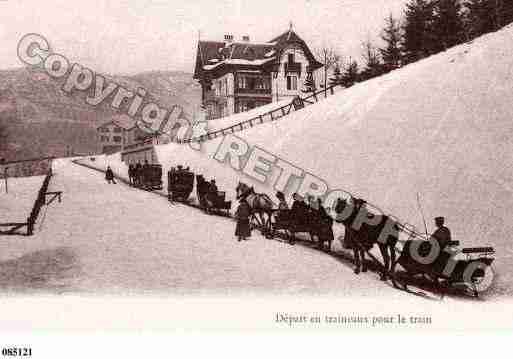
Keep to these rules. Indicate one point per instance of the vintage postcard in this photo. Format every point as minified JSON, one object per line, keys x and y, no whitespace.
{"x":285,"y":165}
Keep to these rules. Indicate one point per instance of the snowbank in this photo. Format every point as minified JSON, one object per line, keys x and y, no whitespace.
{"x":440,"y":127}
{"x":225,"y":122}
{"x":16,"y":205}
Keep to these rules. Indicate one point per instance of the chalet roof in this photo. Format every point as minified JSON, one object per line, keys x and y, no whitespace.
{"x":212,"y":54}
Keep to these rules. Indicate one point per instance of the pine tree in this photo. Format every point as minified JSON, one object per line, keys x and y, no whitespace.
{"x":309,"y":85}
{"x":351,"y":74}
{"x":391,"y":35}
{"x":506,"y":12}
{"x":373,"y":65}
{"x":337,"y":76}
{"x":418,"y":41}
{"x":448,"y":24}
{"x":484,"y":16}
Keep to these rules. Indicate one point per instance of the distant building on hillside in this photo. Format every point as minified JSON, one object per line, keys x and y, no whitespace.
{"x":236,"y":76}
{"x":138,"y":145}
{"x":110,"y":136}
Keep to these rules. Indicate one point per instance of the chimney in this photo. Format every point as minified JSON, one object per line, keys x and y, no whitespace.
{"x":228,"y":38}
{"x":245,"y":38}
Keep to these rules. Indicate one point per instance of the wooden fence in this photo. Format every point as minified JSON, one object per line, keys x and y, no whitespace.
{"x":296,"y":104}
{"x":14,"y":227}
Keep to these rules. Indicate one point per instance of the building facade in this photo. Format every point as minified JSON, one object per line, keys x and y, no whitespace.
{"x":138,"y":145}
{"x":110,"y":137}
{"x":238,"y":76}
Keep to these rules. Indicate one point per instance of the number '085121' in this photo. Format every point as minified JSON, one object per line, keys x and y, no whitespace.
{"x":16,"y":352}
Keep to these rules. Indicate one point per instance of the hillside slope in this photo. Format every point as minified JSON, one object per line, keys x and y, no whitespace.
{"x":42,"y":119}
{"x":440,"y":127}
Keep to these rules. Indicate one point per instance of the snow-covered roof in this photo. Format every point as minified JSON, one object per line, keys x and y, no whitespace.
{"x":238,"y":62}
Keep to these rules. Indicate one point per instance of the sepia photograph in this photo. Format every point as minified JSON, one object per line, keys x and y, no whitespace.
{"x":285,"y":165}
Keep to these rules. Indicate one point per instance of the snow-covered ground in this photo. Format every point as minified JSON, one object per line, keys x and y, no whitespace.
{"x":103,"y":239}
{"x":15,"y":206}
{"x":440,"y":127}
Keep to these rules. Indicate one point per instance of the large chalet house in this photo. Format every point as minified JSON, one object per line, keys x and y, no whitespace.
{"x":236,"y":76}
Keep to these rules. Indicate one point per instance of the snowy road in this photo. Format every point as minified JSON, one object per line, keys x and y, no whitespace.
{"x":113,"y":239}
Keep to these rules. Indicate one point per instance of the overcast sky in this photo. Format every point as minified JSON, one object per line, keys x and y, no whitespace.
{"x":133,"y":36}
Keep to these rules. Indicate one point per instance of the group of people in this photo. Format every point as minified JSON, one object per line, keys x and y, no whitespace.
{"x":310,"y":214}
{"x":137,"y":172}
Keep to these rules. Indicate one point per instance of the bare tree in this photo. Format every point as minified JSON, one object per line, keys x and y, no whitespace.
{"x":329,"y":57}
{"x":372,"y":60}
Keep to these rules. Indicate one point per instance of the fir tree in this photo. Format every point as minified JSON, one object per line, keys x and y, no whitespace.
{"x":351,"y":74}
{"x":484,"y":16}
{"x":337,"y":76}
{"x":373,"y":65}
{"x":447,"y":24}
{"x":391,"y":35}
{"x":418,"y":41}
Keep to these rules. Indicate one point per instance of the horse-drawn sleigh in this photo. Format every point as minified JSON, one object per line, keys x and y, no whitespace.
{"x":147,"y":177}
{"x":286,"y":223}
{"x":180,"y":183}
{"x":443,"y":268}
{"x":210,"y":199}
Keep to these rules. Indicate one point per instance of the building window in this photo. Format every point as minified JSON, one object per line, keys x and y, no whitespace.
{"x":104,"y":138}
{"x":291,"y":58}
{"x":117,"y":129}
{"x":291,"y":82}
{"x":104,"y":129}
{"x":117,"y":138}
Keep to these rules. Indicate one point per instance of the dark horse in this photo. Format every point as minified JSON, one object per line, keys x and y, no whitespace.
{"x":261,"y":206}
{"x":363,"y":230}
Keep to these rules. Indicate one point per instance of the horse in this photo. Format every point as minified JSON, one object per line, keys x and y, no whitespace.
{"x":362,"y":240}
{"x":260,"y":205}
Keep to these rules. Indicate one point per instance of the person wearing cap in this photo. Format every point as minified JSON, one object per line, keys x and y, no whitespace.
{"x":442,"y":234}
{"x":213,"y":186}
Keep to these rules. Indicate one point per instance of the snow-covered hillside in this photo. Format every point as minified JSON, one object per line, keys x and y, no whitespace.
{"x":441,"y":127}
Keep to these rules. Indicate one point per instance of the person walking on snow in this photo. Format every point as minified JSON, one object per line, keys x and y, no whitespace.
{"x":242,"y":230}
{"x":109,"y":175}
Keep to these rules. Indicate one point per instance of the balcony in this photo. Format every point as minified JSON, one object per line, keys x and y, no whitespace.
{"x":253,"y":91}
{"x":293,"y":67}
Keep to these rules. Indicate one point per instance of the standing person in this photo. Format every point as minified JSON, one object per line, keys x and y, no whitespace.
{"x":442,"y":234}
{"x":242,"y":230}
{"x":138,"y":174}
{"x":131,"y":174}
{"x":282,"y":205}
{"x":109,"y":175}
{"x":213,"y":186}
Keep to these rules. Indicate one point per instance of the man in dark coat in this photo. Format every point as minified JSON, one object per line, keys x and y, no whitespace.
{"x":442,"y":234}
{"x":138,"y":174}
{"x":243,"y":212}
{"x":109,"y":175}
{"x":213,"y":186}
{"x":131,"y":174}
{"x":299,"y":209}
